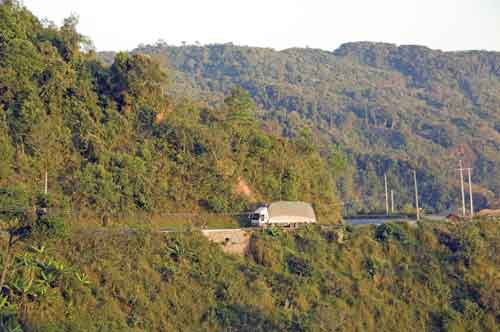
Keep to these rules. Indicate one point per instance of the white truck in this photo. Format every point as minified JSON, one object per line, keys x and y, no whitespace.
{"x":283,"y":214}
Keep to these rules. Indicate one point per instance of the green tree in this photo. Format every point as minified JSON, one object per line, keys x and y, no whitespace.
{"x":6,"y":153}
{"x":15,"y":221}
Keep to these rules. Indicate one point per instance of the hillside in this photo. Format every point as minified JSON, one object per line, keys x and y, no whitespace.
{"x":93,"y":154}
{"x":107,"y":141}
{"x":391,"y":108}
{"x":388,"y":278}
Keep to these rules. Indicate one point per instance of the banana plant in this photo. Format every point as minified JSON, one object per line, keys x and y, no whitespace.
{"x":82,"y":278}
{"x":22,"y":285}
{"x":3,"y":302}
{"x":178,"y":251}
{"x":40,"y":250}
{"x":6,"y":308}
{"x":41,"y":287}
{"x":48,"y":277}
{"x":24,"y":260}
{"x":56,"y":266}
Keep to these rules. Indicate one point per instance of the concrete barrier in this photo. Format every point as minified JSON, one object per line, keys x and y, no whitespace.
{"x":233,"y":241}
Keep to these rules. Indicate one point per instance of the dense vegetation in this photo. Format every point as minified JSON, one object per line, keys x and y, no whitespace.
{"x":385,"y":278}
{"x":109,"y":141}
{"x":390,"y":108}
{"x":112,"y":141}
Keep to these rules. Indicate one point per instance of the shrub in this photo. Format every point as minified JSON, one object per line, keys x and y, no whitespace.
{"x":388,"y":231}
{"x":371,"y":266}
{"x":299,"y":266}
{"x":236,"y":317}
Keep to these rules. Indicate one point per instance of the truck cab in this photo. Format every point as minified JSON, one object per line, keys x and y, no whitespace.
{"x":260,"y":216}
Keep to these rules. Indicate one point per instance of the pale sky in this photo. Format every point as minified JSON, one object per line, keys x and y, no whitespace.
{"x":439,"y":24}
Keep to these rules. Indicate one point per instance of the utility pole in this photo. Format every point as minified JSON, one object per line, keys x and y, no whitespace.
{"x":281,"y":181}
{"x":461,"y":169}
{"x":282,"y":170}
{"x":46,"y":183}
{"x":46,"y":176}
{"x":392,"y":201}
{"x":470,"y":194}
{"x":284,"y":125}
{"x":386,"y":196}
{"x":416,"y":194}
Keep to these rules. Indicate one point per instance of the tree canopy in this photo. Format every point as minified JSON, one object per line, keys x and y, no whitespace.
{"x":391,"y":108}
{"x":110,"y":140}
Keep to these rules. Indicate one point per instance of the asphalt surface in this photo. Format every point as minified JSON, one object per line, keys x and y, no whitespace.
{"x":352,"y":221}
{"x":369,"y":221}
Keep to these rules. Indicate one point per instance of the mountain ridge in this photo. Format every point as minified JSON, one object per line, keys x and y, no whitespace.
{"x":333,"y":50}
{"x":379,"y":101}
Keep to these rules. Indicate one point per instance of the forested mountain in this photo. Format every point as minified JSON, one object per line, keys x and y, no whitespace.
{"x":391,"y":108}
{"x":109,"y":141}
{"x":113,"y":140}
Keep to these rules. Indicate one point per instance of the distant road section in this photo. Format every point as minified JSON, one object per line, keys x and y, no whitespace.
{"x":381,"y":219}
{"x":378,"y":219}
{"x":373,"y":221}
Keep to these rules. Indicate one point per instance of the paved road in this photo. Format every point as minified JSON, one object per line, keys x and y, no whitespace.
{"x":381,"y":220}
{"x":369,"y":221}
{"x":353,"y":222}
